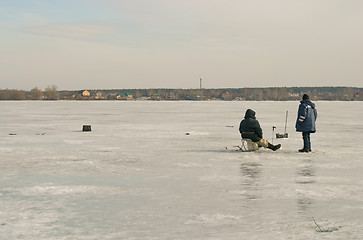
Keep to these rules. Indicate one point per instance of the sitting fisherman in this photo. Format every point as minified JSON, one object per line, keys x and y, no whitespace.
{"x":250,"y":129}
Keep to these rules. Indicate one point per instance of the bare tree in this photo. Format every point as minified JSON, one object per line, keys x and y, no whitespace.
{"x":36,"y":94}
{"x":51,"y":93}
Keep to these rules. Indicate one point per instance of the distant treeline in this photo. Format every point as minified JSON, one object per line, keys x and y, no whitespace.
{"x":226,"y":94}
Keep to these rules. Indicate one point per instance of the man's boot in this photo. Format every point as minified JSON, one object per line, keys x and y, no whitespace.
{"x":273,"y":147}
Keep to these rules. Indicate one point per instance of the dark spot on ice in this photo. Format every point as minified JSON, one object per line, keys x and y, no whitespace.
{"x":307,"y":171}
{"x":305,"y":201}
{"x":329,"y":229}
{"x":305,"y":181}
{"x":251,"y":170}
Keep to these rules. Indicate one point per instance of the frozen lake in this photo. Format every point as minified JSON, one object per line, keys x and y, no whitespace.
{"x":138,"y":175}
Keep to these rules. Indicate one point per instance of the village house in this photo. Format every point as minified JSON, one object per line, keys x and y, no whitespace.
{"x":85,"y":93}
{"x":112,"y":95}
{"x":100,"y":95}
{"x":293,"y":95}
{"x":226,"y":96}
{"x":125,"y":96}
{"x":129,"y":96}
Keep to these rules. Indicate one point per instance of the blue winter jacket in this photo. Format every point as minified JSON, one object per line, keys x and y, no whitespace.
{"x":306,"y":118}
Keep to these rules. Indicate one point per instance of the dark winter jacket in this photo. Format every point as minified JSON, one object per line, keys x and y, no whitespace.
{"x":250,"y":127}
{"x":306,"y":118}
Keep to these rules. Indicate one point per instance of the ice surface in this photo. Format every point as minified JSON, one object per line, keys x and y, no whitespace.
{"x":169,"y":170}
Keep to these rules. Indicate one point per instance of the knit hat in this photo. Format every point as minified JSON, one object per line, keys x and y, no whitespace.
{"x":305,"y":97}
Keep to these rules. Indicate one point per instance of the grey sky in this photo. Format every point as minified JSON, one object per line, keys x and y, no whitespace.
{"x":94,"y":44}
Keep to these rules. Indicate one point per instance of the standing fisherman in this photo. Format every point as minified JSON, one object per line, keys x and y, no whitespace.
{"x":305,"y":122}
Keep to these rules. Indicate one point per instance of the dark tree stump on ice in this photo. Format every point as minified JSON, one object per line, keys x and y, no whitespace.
{"x":86,"y":128}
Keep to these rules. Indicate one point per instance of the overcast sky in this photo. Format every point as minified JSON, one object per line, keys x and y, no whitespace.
{"x":103,"y":44}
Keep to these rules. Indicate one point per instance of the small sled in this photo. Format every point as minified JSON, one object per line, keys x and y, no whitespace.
{"x":283,"y":135}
